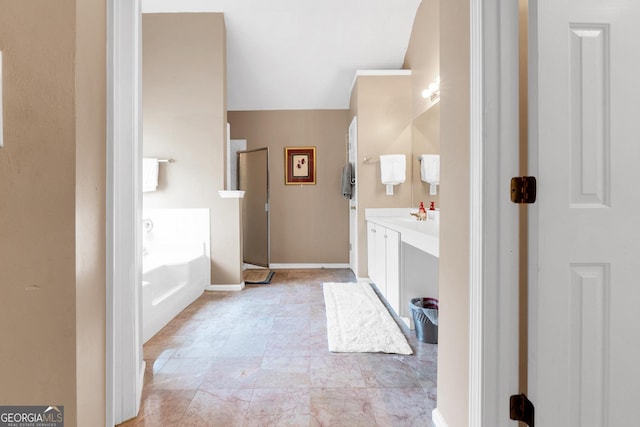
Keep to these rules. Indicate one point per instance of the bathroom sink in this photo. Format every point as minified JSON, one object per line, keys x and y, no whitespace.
{"x":408,"y":219}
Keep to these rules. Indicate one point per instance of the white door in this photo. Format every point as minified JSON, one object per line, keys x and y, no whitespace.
{"x":353,"y":202}
{"x":585,"y":306}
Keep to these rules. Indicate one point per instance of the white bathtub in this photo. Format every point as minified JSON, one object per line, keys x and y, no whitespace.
{"x":170,"y":282}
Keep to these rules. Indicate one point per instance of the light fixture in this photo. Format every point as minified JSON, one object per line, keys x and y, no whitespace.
{"x":433,"y":91}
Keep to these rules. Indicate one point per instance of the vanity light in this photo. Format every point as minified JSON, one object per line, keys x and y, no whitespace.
{"x":433,"y":91}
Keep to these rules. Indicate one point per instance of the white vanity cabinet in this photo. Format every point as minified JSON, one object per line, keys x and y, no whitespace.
{"x":383,"y":245}
{"x":403,"y":256}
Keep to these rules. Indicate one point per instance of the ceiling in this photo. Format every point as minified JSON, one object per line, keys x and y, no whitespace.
{"x":303,"y":54}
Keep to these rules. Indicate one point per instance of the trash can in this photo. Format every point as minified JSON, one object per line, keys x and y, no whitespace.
{"x":425,"y":318}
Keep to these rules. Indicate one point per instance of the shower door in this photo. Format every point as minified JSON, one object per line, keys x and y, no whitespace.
{"x":253,"y":179}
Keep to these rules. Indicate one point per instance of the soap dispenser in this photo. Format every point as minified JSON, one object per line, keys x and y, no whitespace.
{"x":422,"y":213}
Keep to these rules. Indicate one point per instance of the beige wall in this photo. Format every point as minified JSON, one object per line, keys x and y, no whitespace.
{"x":423,"y":54}
{"x":90,"y":210}
{"x":423,"y":59}
{"x":52,"y":290}
{"x":184,"y":118}
{"x":453,"y":345}
{"x":383,"y":107}
{"x":440,"y":46}
{"x":309,"y":223}
{"x":230,"y":214}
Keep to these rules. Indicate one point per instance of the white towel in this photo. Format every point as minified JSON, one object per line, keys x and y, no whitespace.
{"x":430,"y":171}
{"x":430,"y":168}
{"x":393,"y":169}
{"x":149,"y":174}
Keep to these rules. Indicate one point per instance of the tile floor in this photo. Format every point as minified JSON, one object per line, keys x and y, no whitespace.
{"x":259,"y":358}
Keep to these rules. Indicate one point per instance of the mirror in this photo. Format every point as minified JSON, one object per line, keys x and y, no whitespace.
{"x":425,"y":140}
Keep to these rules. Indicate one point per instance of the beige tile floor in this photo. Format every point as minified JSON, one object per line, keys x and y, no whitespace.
{"x":259,"y":358}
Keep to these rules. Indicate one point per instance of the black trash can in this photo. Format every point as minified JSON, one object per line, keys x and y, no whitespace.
{"x":425,"y":318}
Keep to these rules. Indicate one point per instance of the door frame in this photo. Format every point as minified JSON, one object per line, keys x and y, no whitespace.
{"x":492,"y":316}
{"x":124,"y":360}
{"x":352,"y":157}
{"x":493,"y":311}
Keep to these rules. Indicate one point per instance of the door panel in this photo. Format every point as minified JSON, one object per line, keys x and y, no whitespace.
{"x":380,"y":267}
{"x":392,"y":260}
{"x":586,"y":343}
{"x":371,"y":251}
{"x":253,"y":178}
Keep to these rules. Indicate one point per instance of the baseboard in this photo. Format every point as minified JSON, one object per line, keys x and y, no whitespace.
{"x":141,"y":371}
{"x":286,"y":266}
{"x":238,"y":287}
{"x":363,"y":279}
{"x":407,"y":321}
{"x":253,"y":267}
{"x":438,"y":419}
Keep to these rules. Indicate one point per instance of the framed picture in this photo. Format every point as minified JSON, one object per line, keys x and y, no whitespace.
{"x":300,"y":165}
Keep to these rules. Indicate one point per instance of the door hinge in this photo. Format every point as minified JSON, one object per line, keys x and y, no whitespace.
{"x":523,"y":189}
{"x":521,"y":409}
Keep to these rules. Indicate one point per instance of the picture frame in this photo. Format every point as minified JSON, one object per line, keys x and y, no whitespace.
{"x":299,"y":165}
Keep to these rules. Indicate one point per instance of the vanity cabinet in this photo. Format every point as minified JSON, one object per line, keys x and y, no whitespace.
{"x":403,"y":256}
{"x":383,"y":245}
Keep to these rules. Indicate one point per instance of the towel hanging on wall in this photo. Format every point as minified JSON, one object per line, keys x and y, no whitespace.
{"x":347,"y":181}
{"x":430,"y":171}
{"x":393,"y":169}
{"x":149,"y":174}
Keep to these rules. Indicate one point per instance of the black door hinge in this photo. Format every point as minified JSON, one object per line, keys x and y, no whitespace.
{"x":521,"y":409}
{"x":523,"y":189}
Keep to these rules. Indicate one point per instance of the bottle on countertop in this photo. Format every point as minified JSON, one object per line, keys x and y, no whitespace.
{"x":432,"y":211}
{"x":422,"y":213}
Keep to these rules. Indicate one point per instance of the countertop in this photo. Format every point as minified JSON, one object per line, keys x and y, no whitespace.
{"x":424,"y":235}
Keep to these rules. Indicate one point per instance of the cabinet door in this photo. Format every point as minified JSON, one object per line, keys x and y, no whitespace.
{"x":371,"y":251}
{"x":392,"y":292}
{"x":380,"y":260}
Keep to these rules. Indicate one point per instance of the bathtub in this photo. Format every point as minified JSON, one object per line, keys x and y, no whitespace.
{"x":170,"y":282}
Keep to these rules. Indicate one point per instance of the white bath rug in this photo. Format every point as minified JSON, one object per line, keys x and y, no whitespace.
{"x":358,"y":322}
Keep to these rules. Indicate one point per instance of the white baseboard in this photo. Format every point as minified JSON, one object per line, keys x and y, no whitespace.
{"x":142,"y":369}
{"x":364,"y":279}
{"x":253,"y":267}
{"x":438,"y":419}
{"x":238,"y":287}
{"x":407,"y":321}
{"x":305,"y":265}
